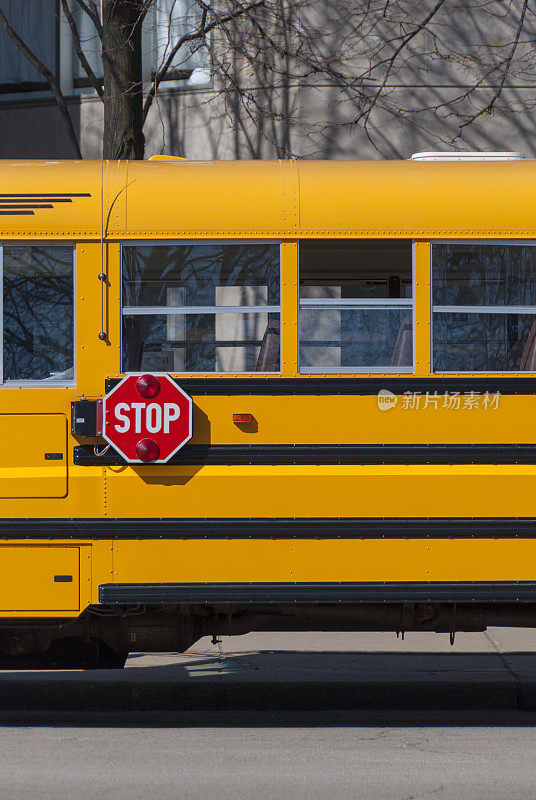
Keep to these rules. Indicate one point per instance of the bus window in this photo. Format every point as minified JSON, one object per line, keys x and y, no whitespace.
{"x":484,"y":307}
{"x":38,"y":313}
{"x":201,"y":307}
{"x":356,"y":306}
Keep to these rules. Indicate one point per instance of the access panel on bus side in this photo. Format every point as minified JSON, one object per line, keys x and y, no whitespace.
{"x":33,"y":458}
{"x":39,"y":578}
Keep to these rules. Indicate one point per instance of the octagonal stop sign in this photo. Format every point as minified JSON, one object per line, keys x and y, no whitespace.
{"x":147,"y":418}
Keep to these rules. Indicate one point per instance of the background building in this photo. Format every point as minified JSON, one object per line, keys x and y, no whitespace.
{"x":343,"y":79}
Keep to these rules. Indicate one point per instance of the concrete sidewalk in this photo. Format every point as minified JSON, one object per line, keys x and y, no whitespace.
{"x":495,"y":670}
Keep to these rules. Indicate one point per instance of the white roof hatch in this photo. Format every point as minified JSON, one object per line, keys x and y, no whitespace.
{"x":466,"y":156}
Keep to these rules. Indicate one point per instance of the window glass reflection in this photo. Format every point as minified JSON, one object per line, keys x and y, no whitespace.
{"x":356,"y":309}
{"x":245,"y":342}
{"x":201,"y":275}
{"x":331,"y":338}
{"x":178,"y":303}
{"x":500,"y":279}
{"x":484,"y":275}
{"x":484,"y":342}
{"x":38,"y":313}
{"x":342,"y":269}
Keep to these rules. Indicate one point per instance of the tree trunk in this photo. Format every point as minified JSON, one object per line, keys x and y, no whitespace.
{"x":123,"y":97}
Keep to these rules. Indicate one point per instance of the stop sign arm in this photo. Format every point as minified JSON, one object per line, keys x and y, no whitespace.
{"x":146,"y":418}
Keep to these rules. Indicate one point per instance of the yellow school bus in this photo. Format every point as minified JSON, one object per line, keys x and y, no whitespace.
{"x":359,"y":341}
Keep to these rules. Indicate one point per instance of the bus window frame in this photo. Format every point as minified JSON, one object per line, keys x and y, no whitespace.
{"x":34,"y":384}
{"x":363,"y":370}
{"x":176,"y":242}
{"x":519,"y":373}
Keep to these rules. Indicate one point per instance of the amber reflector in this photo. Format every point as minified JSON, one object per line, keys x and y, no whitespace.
{"x":242,"y":417}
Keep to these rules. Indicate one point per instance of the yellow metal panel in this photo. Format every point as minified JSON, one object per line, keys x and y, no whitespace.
{"x":289,"y":304}
{"x":307,"y":419}
{"x":100,"y":554}
{"x":324,"y":560}
{"x":322,"y":491}
{"x":417,"y":199}
{"x":115,"y":183}
{"x":97,"y":359}
{"x":24,"y":470}
{"x":85,"y":498}
{"x":27,"y":578}
{"x":163,"y":199}
{"x":423,"y":313}
{"x":206,"y":198}
{"x":348,"y":198}
{"x":22,"y":457}
{"x":56,"y":184}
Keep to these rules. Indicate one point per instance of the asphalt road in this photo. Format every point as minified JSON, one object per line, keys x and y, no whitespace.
{"x":357,"y":716}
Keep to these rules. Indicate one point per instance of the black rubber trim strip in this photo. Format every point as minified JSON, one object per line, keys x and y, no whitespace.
{"x":347,"y":592}
{"x":355,"y":386}
{"x":5,"y":195}
{"x":195,"y":454}
{"x":272,"y":528}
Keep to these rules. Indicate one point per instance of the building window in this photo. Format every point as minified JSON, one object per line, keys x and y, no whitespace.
{"x":90,"y":43}
{"x":484,"y":307}
{"x":165,"y":23}
{"x":201,"y":307}
{"x":173,"y":19}
{"x":356,"y":306}
{"x":43,"y":26}
{"x":38,"y":313}
{"x":36,"y":22}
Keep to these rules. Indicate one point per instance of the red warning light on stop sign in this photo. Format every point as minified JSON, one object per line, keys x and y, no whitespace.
{"x":147,"y":418}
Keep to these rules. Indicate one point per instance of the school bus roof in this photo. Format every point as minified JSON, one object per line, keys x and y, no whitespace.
{"x":266,"y":199}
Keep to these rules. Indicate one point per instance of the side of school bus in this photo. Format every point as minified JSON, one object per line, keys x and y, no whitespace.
{"x":359,"y":340}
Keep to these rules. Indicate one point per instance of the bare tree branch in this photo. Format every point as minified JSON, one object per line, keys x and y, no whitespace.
{"x":506,"y":71}
{"x":48,"y":76}
{"x":420,"y":27}
{"x":190,"y":37}
{"x":433,"y":68}
{"x":97,"y":85}
{"x":90,"y":8}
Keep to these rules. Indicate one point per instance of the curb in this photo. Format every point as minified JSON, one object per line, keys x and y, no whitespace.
{"x":106,"y":695}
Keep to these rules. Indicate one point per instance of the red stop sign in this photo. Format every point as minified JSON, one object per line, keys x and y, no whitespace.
{"x":147,"y":418}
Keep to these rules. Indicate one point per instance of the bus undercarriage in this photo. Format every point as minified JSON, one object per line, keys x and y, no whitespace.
{"x":102,"y":637}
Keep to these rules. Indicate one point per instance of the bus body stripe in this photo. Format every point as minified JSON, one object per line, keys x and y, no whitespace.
{"x":333,"y":385}
{"x":272,"y":528}
{"x":332,"y":592}
{"x":358,"y":454}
